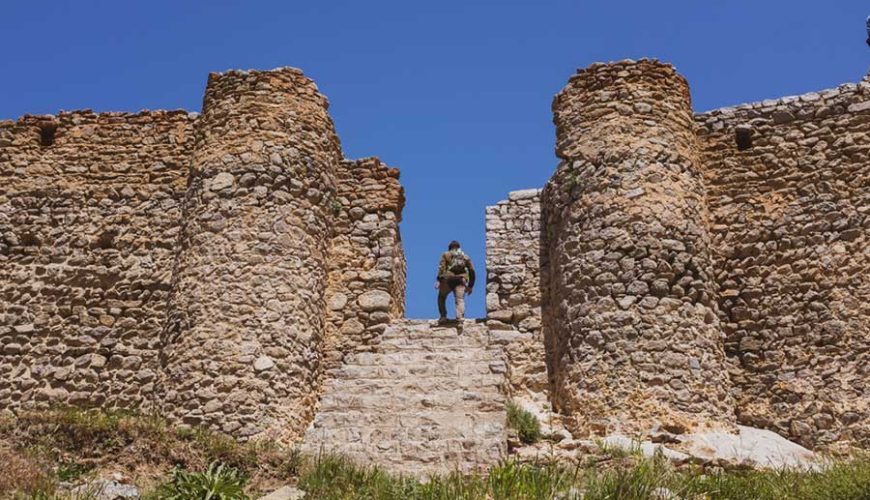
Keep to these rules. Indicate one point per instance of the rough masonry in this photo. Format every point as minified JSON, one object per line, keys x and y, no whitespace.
{"x":679,"y":271}
{"x":203,"y":266}
{"x":696,"y":269}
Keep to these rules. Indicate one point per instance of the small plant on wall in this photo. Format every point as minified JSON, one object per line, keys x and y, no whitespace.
{"x":524,"y":422}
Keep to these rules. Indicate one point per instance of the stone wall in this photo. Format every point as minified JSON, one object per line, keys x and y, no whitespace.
{"x":784,"y":255}
{"x":247,"y":320}
{"x":513,"y":289}
{"x":367,"y":266}
{"x":167,"y":262}
{"x":678,"y":269}
{"x":630,"y":313}
{"x":88,"y":224}
{"x":513,"y":248}
{"x":790,"y":218}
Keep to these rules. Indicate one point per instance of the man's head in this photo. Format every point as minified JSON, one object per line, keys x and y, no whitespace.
{"x":454,"y":245}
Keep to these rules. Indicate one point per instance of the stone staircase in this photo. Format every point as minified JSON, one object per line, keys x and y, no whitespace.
{"x":429,"y":400}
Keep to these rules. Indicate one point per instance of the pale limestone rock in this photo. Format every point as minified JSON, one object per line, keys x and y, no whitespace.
{"x":337,"y":302}
{"x":264,"y":363}
{"x":375,"y":300}
{"x":750,"y":446}
{"x":222,"y":180}
{"x":285,"y":493}
{"x":524,"y":194}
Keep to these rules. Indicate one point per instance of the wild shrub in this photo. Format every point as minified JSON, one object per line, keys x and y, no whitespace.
{"x":524,"y":422}
{"x":218,"y":482}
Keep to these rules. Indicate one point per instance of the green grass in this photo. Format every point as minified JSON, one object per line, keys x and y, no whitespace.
{"x":72,"y":470}
{"x":524,"y":422}
{"x":218,"y":482}
{"x":39,"y":450}
{"x":634,"y":478}
{"x":65,"y":444}
{"x":616,"y":451}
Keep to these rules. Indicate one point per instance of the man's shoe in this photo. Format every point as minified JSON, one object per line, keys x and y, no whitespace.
{"x":443,"y":320}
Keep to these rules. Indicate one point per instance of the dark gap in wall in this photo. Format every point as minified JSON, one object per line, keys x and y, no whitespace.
{"x":743,"y":136}
{"x":46,"y":134}
{"x":29,"y":240}
{"x":106,"y":240}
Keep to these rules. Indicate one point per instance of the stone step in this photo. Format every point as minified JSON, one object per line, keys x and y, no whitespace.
{"x":471,"y":330}
{"x":470,"y":368}
{"x":444,"y":418}
{"x":439,"y":341}
{"x":428,"y":399}
{"x":424,"y":446}
{"x":429,"y":346}
{"x":402,"y":401}
{"x":419,"y":358}
{"x":426,"y":385}
{"x":433,"y":455}
{"x":331,"y":430}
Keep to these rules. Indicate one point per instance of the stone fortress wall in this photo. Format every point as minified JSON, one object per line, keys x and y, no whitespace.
{"x":790,"y":220}
{"x":367,"y":268}
{"x":678,"y":270}
{"x":88,"y":230}
{"x":204,"y":266}
{"x":694,"y":280}
{"x":513,"y":291}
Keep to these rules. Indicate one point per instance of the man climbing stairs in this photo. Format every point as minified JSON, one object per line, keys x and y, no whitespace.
{"x":429,"y":400}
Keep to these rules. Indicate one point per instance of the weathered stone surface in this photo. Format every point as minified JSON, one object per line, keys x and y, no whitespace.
{"x":428,"y":401}
{"x":789,"y":235}
{"x":646,"y":448}
{"x":768,"y":253}
{"x":749,"y":447}
{"x":513,"y":286}
{"x":87,"y":241}
{"x":107,"y":489}
{"x":665,"y":276}
{"x":375,"y":300}
{"x":221,"y":181}
{"x":285,"y":493}
{"x":625,"y":220}
{"x":366,"y":255}
{"x":260,"y":276}
{"x":102,"y":278}
{"x":263,"y":363}
{"x":746,"y":447}
{"x":337,"y":302}
{"x":525,"y":194}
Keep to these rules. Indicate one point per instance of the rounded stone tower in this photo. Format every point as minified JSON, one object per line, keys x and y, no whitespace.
{"x":632,"y":333}
{"x":242,"y":342}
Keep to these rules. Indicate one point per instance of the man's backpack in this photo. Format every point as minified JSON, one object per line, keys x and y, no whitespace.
{"x":456,"y":262}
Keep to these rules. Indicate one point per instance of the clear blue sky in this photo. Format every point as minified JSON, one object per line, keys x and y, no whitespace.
{"x":455,"y":93}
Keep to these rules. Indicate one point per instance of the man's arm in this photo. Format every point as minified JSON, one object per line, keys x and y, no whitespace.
{"x":442,"y":266}
{"x":471,"y":275}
